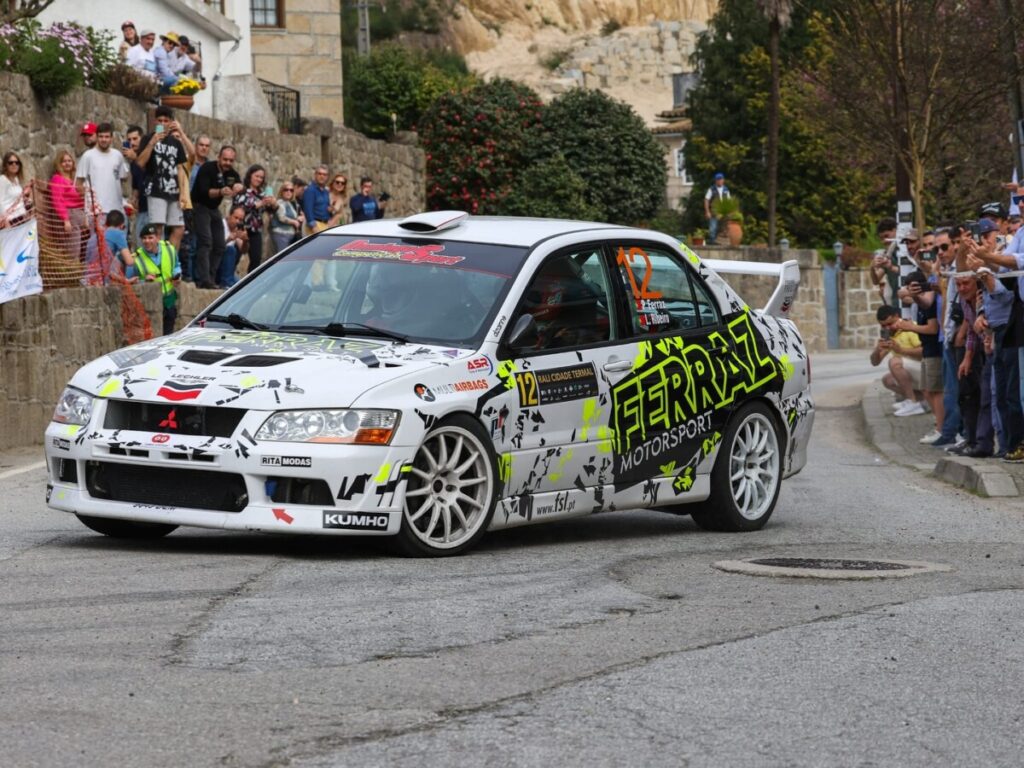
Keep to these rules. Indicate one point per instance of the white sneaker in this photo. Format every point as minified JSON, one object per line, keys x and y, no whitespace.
{"x":957,"y":444}
{"x":931,"y":437}
{"x":913,"y":409}
{"x":900,"y":404}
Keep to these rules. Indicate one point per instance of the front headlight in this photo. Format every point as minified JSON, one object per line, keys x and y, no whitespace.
{"x":73,"y":407}
{"x":361,"y":427}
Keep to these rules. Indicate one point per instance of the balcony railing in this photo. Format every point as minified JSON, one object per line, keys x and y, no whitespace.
{"x":284,"y":102}
{"x":218,"y":4}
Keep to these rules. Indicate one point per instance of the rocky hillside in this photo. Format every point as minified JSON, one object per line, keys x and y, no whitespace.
{"x":628,"y":48}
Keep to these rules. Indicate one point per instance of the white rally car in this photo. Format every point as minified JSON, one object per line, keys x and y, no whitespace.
{"x":437,"y":377}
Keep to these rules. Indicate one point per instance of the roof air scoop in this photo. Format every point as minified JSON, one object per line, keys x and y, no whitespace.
{"x":434,"y":221}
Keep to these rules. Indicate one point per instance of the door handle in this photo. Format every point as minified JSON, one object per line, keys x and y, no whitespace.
{"x":618,"y":365}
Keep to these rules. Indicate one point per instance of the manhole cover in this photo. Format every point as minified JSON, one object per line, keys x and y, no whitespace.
{"x":828,"y":568}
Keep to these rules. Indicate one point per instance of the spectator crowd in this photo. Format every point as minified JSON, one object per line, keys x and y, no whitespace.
{"x":951,"y":330}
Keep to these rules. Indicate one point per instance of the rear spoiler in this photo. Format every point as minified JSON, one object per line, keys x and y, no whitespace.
{"x":788,"y":273}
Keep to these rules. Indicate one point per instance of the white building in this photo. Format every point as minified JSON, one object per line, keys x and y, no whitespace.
{"x":219,"y":28}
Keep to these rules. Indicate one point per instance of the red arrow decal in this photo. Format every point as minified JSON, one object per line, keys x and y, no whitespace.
{"x":283,"y":516}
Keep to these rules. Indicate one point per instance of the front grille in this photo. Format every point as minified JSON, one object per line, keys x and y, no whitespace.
{"x":166,"y":486}
{"x":186,"y":419}
{"x":67,"y":471}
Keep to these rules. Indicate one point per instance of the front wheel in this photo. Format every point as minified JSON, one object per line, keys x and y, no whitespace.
{"x":747,"y":474}
{"x":126,"y":529}
{"x":450,"y":493}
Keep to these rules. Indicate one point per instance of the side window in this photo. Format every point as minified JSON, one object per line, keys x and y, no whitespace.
{"x":569,"y":301}
{"x":663,"y":295}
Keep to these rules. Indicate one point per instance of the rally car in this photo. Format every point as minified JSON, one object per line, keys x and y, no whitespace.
{"x":433,"y":378}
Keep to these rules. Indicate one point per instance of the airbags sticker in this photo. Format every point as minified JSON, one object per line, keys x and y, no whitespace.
{"x":556,"y":385}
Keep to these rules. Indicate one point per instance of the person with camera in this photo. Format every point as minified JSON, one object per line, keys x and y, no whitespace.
{"x":973,"y":374}
{"x":885,"y":267}
{"x":925,"y":299}
{"x":366,"y":207}
{"x":995,"y":317}
{"x":903,"y":348}
{"x":163,"y":155}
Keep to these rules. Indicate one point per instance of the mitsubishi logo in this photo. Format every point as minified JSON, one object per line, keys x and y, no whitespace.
{"x":170,"y":422}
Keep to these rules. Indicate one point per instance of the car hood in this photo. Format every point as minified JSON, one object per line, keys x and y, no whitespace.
{"x":256,"y":369}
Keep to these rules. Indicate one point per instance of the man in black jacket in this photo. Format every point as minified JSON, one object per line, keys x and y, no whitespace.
{"x":216,"y":181}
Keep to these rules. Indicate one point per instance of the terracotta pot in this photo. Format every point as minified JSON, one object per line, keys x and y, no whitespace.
{"x":734,"y":231}
{"x":696,"y":241}
{"x":177,"y":101}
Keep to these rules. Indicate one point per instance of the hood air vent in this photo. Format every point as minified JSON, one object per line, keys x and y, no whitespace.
{"x":259,"y":361}
{"x":204,"y":356}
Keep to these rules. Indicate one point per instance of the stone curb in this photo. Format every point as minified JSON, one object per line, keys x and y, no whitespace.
{"x":983,"y":478}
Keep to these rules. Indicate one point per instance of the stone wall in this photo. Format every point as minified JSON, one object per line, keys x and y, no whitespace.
{"x":35,"y":131}
{"x":858,"y":301}
{"x":44,"y":339}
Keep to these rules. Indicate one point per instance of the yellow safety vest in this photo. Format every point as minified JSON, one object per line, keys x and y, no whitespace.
{"x":162,"y":273}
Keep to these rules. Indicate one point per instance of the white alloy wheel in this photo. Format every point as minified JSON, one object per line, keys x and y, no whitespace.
{"x":450,"y":489}
{"x":754,"y":466}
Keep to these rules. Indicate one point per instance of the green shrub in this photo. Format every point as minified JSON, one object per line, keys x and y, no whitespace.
{"x":477,"y":142}
{"x":549,"y":189}
{"x":57,"y":58}
{"x":553,"y":60}
{"x":608,"y":145}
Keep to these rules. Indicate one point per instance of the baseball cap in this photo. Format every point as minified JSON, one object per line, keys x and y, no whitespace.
{"x":88,"y":129}
{"x":147,"y":33}
{"x":911,"y":235}
{"x":128,"y":23}
{"x":986,"y":225}
{"x":719,"y":176}
{"x":149,"y":229}
{"x":993,"y":209}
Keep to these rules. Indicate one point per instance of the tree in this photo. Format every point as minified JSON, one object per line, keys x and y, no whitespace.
{"x":823,"y":193}
{"x":607,"y":144}
{"x":477,"y":142}
{"x":778,"y":14}
{"x":15,"y":10}
{"x":549,"y":189}
{"x":396,"y":81}
{"x":902,"y":77}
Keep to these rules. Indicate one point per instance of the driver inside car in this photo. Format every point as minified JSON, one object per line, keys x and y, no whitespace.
{"x":565,"y":307}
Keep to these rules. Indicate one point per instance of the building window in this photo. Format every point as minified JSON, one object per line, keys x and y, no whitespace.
{"x":267,"y":13}
{"x":680,"y":157}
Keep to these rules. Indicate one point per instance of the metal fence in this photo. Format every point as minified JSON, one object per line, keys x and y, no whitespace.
{"x":285,"y":104}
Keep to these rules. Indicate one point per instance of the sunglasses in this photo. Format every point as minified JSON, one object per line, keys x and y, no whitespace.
{"x":288,"y":189}
{"x":944,"y":247}
{"x":14,"y":162}
{"x":340,"y":181}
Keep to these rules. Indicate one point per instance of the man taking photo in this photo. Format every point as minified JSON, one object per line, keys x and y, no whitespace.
{"x":903,"y":348}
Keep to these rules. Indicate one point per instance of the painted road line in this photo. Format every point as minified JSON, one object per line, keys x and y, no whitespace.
{"x":23,"y":470}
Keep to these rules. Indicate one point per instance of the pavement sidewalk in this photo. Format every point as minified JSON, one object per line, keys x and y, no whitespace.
{"x":897,"y":438}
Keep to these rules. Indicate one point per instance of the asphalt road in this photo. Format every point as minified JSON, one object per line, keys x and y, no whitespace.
{"x":601,"y":641}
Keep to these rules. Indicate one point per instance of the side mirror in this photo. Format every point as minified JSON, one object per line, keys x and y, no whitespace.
{"x":524,"y":333}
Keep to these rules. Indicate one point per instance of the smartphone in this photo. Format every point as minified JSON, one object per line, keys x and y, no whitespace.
{"x":126,"y":144}
{"x":268,"y":191}
{"x":159,"y":128}
{"x":884,"y":334}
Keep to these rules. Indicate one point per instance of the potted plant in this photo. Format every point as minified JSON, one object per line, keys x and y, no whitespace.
{"x":697,"y":237}
{"x":727,"y":211}
{"x":182,"y":93}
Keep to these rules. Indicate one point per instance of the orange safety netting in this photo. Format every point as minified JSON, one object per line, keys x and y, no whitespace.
{"x":73,"y":251}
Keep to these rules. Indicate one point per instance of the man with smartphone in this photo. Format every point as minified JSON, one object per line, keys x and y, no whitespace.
{"x":903,"y":348}
{"x":163,"y":155}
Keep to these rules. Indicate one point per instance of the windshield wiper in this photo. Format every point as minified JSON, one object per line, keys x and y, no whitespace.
{"x":345,"y":329}
{"x":237,"y":321}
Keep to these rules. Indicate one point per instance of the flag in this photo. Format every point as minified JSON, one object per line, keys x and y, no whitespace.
{"x":19,"y":262}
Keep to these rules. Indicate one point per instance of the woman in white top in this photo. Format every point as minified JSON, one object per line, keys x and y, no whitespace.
{"x":15,"y":199}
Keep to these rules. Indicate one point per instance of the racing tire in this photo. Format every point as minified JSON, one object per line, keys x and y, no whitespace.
{"x":450,"y":492}
{"x":126,"y":529}
{"x":747,"y":475}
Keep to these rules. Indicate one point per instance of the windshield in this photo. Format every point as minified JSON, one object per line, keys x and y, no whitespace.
{"x":425,"y":290}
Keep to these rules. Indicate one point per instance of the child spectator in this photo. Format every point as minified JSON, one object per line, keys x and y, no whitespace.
{"x":121,"y":259}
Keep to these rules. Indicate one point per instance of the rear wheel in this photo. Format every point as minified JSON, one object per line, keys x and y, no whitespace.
{"x":450,"y":492}
{"x":126,"y":529}
{"x":747,"y":474}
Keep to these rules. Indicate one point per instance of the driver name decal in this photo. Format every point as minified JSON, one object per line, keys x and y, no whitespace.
{"x":413,"y":254}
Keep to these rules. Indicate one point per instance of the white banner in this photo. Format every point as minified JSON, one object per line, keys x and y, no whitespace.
{"x":19,"y":262}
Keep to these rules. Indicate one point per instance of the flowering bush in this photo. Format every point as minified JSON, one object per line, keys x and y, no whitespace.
{"x":57,"y":58}
{"x":131,"y":83}
{"x":186,"y":86}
